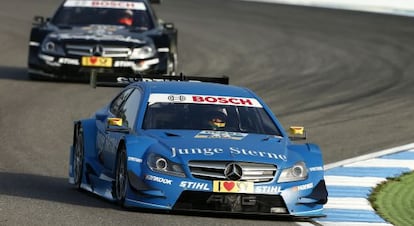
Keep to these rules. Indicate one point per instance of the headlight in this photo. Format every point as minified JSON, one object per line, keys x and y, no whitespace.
{"x":295,"y":173}
{"x":51,"y":47}
{"x":143,"y":52}
{"x":160,"y":164}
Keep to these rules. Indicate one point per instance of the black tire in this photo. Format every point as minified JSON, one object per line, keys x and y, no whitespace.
{"x":121,"y":177}
{"x":78,"y":156}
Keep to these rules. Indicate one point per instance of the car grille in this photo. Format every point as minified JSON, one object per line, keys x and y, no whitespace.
{"x":95,"y":50}
{"x":214,"y":170}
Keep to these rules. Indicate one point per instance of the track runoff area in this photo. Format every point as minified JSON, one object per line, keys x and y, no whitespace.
{"x":350,"y":182}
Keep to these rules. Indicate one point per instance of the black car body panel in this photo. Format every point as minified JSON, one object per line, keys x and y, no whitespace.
{"x":88,"y":36}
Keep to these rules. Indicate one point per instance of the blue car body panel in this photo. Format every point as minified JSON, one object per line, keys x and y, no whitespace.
{"x":191,"y":150}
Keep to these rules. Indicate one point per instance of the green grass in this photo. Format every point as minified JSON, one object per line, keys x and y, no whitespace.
{"x":394,"y":200}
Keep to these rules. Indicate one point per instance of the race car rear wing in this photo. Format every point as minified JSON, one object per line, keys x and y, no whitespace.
{"x":124,"y":81}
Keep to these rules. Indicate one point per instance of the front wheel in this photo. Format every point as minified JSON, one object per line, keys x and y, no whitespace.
{"x":78,"y":157}
{"x":172,"y":64}
{"x":121,"y":178}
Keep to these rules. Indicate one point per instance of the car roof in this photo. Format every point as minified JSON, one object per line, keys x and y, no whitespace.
{"x":201,"y":88}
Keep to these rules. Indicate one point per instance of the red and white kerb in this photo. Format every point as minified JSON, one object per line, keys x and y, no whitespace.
{"x":105,"y":4}
{"x":203,"y":99}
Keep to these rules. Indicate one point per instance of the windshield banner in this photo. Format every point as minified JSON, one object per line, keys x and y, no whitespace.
{"x":203,"y":99}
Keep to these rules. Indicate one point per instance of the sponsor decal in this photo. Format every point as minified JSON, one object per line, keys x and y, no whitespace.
{"x":99,"y":28}
{"x":316,"y":168}
{"x":303,"y":187}
{"x":220,"y":135}
{"x":68,"y":61}
{"x":138,"y":79}
{"x":267,"y":189}
{"x":199,"y":151}
{"x":126,"y":80}
{"x":232,"y":200}
{"x":223,"y":100}
{"x":105,"y":4}
{"x":200,"y":99}
{"x":139,"y":66}
{"x":232,"y":150}
{"x":233,"y":186}
{"x":158,"y":179}
{"x":194,"y":185}
{"x":124,"y":64}
{"x":94,"y":61}
{"x":176,"y":98}
{"x":264,"y":154}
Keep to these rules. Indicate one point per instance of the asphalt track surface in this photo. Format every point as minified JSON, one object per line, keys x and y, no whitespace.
{"x":348,"y":77}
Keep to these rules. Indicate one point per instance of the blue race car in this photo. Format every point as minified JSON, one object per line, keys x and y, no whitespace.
{"x":196,"y":146}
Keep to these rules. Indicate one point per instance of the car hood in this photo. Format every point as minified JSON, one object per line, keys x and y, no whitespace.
{"x":99,"y":33}
{"x":220,"y":146}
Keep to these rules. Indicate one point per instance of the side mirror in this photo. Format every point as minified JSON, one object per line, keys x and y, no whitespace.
{"x":39,"y":20}
{"x":168,"y":26}
{"x":114,"y":122}
{"x":115,"y":125}
{"x":297,"y":133}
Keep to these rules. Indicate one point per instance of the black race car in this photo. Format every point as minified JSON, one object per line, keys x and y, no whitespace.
{"x":113,"y":41}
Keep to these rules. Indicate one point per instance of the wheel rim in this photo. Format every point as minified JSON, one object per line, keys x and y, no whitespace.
{"x":121,"y":177}
{"x":78,"y":158}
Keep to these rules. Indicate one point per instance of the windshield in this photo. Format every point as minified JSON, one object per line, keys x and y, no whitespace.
{"x":73,"y":13}
{"x":192,"y":116}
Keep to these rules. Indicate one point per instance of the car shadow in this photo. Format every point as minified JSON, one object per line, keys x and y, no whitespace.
{"x":20,"y":74}
{"x":48,"y":188}
{"x":13,"y":73}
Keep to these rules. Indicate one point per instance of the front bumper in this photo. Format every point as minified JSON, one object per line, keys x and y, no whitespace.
{"x":70,"y":68}
{"x":170,"y":193}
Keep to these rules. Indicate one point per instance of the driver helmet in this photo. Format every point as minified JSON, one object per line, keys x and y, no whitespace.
{"x":217,"y":120}
{"x":126,"y":17}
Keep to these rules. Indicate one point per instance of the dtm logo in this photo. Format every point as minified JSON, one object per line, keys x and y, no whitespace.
{"x":232,"y":200}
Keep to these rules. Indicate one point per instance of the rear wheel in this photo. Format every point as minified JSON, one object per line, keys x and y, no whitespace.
{"x":121,"y":178}
{"x":78,"y":157}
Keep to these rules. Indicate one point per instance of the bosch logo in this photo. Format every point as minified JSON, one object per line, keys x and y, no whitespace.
{"x":233,"y":171}
{"x":223,"y":100}
{"x":98,"y":50}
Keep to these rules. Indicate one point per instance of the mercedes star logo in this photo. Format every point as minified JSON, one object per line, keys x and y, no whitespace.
{"x":97,"y":50}
{"x":233,"y":171}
